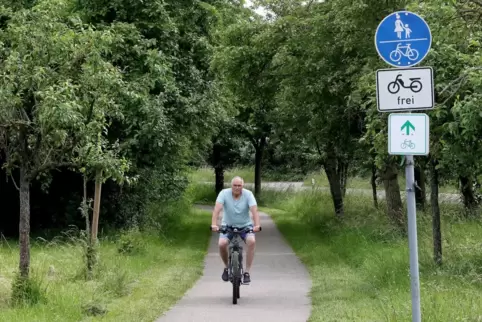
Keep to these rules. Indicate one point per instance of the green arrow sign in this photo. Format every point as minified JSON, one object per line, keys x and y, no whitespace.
{"x":407,"y":125}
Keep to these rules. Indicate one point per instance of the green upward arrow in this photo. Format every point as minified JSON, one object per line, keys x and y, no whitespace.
{"x":407,"y":125}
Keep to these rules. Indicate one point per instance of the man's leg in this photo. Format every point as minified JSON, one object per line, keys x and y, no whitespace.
{"x":251,"y":243}
{"x":223,"y":252}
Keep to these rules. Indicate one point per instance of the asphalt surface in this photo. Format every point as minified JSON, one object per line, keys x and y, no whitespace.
{"x":279,"y":288}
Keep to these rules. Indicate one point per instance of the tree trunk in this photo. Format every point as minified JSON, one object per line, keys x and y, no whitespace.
{"x":85,"y":206}
{"x":343,"y":175}
{"x":95,"y":217}
{"x":373,"y":182}
{"x":257,"y":165}
{"x":393,"y":196}
{"x":90,"y":251}
{"x":219,"y":173}
{"x":437,"y":232}
{"x":468,"y":193}
{"x":24,"y":223}
{"x":336,"y":190}
{"x":420,"y":193}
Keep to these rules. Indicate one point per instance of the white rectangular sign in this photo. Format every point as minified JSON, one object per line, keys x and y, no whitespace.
{"x":405,"y":89}
{"x":408,"y":134}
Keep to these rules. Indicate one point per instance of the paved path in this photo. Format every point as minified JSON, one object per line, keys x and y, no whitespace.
{"x":279,"y":288}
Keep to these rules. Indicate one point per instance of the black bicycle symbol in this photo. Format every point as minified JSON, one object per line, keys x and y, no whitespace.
{"x":407,"y":143}
{"x":415,"y":85}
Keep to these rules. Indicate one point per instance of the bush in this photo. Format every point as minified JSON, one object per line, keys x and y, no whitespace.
{"x":156,"y":194}
{"x":131,"y":242}
{"x":117,"y":282}
{"x":201,"y":193}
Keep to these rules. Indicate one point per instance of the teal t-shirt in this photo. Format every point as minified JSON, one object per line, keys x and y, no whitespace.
{"x":236,"y":212}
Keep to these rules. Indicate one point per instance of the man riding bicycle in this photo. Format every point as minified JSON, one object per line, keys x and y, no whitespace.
{"x":236,"y":203}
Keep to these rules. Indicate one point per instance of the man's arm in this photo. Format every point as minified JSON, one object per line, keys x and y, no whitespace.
{"x":217,"y":209}
{"x":253,"y":207}
{"x":254,"y":211}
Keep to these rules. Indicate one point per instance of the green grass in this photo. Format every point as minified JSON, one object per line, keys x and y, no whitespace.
{"x":139,"y":286}
{"x":364,"y":183}
{"x":360,"y":267}
{"x":202,"y":193}
{"x":207,"y":175}
{"x":205,"y":194}
{"x":247,"y":173}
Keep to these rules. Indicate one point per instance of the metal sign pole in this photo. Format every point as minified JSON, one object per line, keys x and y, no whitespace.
{"x":412,"y":237}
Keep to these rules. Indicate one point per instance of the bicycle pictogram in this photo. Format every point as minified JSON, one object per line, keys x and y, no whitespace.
{"x":407,"y":143}
{"x":397,"y":53}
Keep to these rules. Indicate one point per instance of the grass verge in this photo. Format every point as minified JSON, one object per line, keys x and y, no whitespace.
{"x":321,"y":180}
{"x":247,"y":173}
{"x":205,"y":194}
{"x":360,"y":267}
{"x":207,"y":175}
{"x":140,"y":275}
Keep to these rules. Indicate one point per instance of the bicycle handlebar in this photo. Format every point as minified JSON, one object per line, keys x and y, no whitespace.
{"x":230,"y":229}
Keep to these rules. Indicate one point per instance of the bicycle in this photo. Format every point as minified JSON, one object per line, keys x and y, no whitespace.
{"x":407,"y":143}
{"x":397,"y":53}
{"x":235,"y":257}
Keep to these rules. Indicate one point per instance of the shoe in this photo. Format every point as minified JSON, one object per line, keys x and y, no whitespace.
{"x":225,"y":275}
{"x":246,"y":279}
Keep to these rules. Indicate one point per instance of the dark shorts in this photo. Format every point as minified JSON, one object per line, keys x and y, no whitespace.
{"x":243,"y":235}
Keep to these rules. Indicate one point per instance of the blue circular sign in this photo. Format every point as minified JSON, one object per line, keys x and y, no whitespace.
{"x":403,"y":39}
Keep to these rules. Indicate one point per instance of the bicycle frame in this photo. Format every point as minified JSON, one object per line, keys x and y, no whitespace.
{"x":235,"y":256}
{"x":235,"y":250}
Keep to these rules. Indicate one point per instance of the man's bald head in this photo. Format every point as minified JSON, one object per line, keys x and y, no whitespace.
{"x":237,"y":180}
{"x":237,"y":185}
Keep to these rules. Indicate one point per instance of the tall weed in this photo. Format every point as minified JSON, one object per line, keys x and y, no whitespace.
{"x":201,"y":193}
{"x":28,"y":291}
{"x":366,"y":259}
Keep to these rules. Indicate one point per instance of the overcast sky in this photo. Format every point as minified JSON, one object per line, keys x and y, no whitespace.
{"x":258,"y":10}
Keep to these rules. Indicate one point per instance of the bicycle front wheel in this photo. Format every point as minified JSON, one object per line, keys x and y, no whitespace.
{"x":236,"y":276}
{"x":236,"y":283}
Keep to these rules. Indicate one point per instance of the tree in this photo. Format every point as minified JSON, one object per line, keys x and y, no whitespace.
{"x":52,"y":72}
{"x":243,"y":64}
{"x":172,"y":102}
{"x":225,"y":150}
{"x":319,"y":81}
